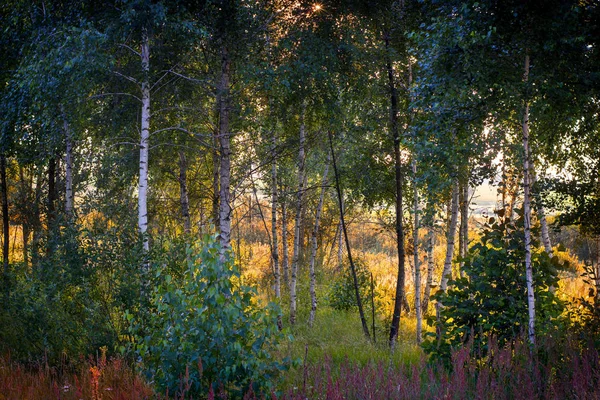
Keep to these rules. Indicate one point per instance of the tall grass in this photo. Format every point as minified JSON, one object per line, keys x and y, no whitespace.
{"x":552,"y":371}
{"x":108,"y":379}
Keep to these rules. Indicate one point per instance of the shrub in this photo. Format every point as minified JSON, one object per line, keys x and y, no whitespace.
{"x":70,"y":301}
{"x":205,"y":330}
{"x":342,"y":296}
{"x":491,"y":299}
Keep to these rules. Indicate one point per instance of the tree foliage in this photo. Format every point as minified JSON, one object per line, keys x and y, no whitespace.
{"x":205,"y":329}
{"x":491,"y":299}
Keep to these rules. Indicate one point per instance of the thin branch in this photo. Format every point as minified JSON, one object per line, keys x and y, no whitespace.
{"x":129,"y":78}
{"x":160,"y":79}
{"x":177,"y":128}
{"x":130,"y":48}
{"x":187,"y":78}
{"x":115,"y":94}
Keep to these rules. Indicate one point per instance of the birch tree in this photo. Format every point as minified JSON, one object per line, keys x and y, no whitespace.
{"x":298,"y":219}
{"x":313,"y":241}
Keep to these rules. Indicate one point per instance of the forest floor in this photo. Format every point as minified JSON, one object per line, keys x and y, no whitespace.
{"x":334,"y":360}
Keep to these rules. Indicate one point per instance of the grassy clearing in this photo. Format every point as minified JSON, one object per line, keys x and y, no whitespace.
{"x":337,"y":339}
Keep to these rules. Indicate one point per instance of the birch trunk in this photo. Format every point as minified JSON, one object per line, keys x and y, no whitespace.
{"x":285,"y":264}
{"x":216,"y":159}
{"x":527,"y":214}
{"x":68,"y":166}
{"x":144,"y":144}
{"x":298,"y":222}
{"x":400,"y":294}
{"x":51,"y":205}
{"x":430,"y":266}
{"x":313,"y":253}
{"x":463,"y":236}
{"x":225,"y":159}
{"x":51,"y":193}
{"x":183,"y":194}
{"x":541,"y":214}
{"x":417,"y":266}
{"x":447,"y":272}
{"x":275,"y":246}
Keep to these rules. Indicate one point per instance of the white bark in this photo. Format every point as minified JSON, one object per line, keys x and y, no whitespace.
{"x":298,"y":222}
{"x":216,"y":161}
{"x":183,"y":194}
{"x":417,"y":266}
{"x":144,"y":143}
{"x":225,"y":159}
{"x":430,"y":265}
{"x":464,"y":224}
{"x":541,"y":213}
{"x":285,"y":264}
{"x":275,"y":244}
{"x":313,"y":254}
{"x":527,"y":215}
{"x":68,"y":165}
{"x":447,"y":272}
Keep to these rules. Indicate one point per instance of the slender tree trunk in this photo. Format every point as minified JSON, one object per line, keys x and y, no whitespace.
{"x":430,"y":265}
{"x":298,"y":222}
{"x":541,"y":214}
{"x":183,"y":194}
{"x":527,"y":214}
{"x":352,"y":269}
{"x":340,"y":254}
{"x":303,"y":221}
{"x":447,"y":271}
{"x":216,"y":160}
{"x":25,"y":190}
{"x":37,"y":223}
{"x":261,"y":215}
{"x":275,"y":246}
{"x":51,"y":205}
{"x":5,"y":218}
{"x":285,"y":264}
{"x":417,"y":265}
{"x":51,"y":191}
{"x":463,"y":236}
{"x":400,"y":293}
{"x":225,"y":150}
{"x":313,"y":254}
{"x":68,"y":166}
{"x":144,"y":145}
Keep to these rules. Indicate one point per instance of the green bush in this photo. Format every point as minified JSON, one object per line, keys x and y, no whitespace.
{"x":206,"y":329}
{"x":70,"y":301}
{"x":342,"y":296}
{"x":491,"y":299}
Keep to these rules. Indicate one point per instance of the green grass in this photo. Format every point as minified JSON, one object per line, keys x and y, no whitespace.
{"x":338,"y":336}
